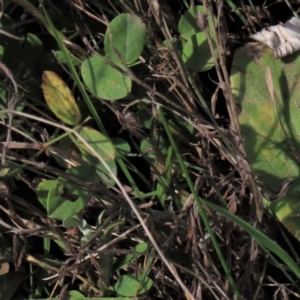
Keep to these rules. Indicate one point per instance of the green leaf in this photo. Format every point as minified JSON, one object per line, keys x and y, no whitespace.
{"x":121,"y":145}
{"x":129,"y":285}
{"x":196,"y":53}
{"x":86,"y":230}
{"x":62,"y":58}
{"x":43,"y":189}
{"x":66,"y":199}
{"x":72,"y":221}
{"x":188,"y":22}
{"x":98,"y":141}
{"x":104,"y":147}
{"x":271,"y":128}
{"x":60,"y":98}
{"x":103,"y":80}
{"x":74,"y":295}
{"x":125,"y":36}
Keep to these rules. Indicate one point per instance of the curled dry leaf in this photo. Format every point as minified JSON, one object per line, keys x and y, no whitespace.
{"x":282,"y":39}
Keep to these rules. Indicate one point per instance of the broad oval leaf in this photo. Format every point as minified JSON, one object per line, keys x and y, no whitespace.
{"x":98,"y":141}
{"x":196,"y":53}
{"x":60,"y":99}
{"x":103,"y":80}
{"x":271,"y":126}
{"x":124,"y":39}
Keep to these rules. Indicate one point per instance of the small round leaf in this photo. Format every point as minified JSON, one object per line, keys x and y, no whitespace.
{"x":124,"y":39}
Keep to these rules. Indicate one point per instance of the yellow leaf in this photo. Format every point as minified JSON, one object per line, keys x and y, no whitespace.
{"x":60,"y":99}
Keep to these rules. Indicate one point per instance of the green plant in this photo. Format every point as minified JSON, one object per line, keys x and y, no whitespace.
{"x":269,"y":121}
{"x":194,"y":47}
{"x":129,"y":186}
